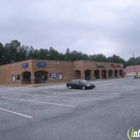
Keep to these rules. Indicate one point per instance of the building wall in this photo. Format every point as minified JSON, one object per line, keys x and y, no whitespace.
{"x":82,"y":66}
{"x":131,"y":74}
{"x":66,"y":68}
{"x":93,"y":65}
{"x":6,"y":71}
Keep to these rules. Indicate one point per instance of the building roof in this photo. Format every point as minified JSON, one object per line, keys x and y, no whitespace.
{"x":131,"y":68}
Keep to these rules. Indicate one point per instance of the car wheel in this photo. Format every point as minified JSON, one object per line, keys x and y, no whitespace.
{"x":69,"y":87}
{"x":83,"y":87}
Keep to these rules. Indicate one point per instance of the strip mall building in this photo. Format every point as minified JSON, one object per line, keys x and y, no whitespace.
{"x":48,"y":71}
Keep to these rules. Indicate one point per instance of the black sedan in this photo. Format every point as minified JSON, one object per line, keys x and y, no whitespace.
{"x":79,"y":83}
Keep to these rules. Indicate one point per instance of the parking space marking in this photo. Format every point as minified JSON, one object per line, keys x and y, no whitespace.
{"x":23,"y":115}
{"x":39,"y":102}
{"x":79,"y":98}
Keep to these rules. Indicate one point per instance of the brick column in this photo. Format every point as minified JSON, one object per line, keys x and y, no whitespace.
{"x":91,"y":75}
{"x":21,"y":78}
{"x":106,"y":74}
{"x":117,"y":74}
{"x":100,"y":74}
{"x":113,"y":73}
{"x":32,"y":78}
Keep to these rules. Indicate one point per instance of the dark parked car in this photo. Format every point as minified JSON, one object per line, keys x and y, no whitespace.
{"x":80,"y":83}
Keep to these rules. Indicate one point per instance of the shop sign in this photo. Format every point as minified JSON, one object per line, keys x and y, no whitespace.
{"x":41,"y":64}
{"x":100,"y":64}
{"x":24,"y":65}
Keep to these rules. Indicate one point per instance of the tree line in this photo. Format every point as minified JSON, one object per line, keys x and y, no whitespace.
{"x":14,"y":52}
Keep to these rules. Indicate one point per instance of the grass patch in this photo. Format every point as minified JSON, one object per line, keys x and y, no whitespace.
{"x":136,"y":76}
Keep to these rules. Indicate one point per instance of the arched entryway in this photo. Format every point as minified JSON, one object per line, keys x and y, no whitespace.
{"x":26,"y":77}
{"x":40,"y":76}
{"x":96,"y":74}
{"x":110,"y":73}
{"x":77,"y":74}
{"x":103,"y":74}
{"x":87,"y":74}
{"x":115,"y":73}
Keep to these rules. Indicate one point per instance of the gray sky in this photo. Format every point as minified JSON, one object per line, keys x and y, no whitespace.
{"x":90,"y":26}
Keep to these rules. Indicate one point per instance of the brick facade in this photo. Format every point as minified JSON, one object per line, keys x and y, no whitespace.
{"x":57,"y":71}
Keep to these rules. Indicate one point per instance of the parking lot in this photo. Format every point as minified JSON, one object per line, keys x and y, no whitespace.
{"x":54,"y":112}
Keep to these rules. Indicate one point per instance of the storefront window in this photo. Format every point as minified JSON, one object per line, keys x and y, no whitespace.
{"x":53,"y":76}
{"x":13,"y":78}
{"x":60,"y":76}
{"x":17,"y":77}
{"x":45,"y":76}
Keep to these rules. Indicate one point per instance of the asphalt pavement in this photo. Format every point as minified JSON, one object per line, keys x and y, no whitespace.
{"x":54,"y":112}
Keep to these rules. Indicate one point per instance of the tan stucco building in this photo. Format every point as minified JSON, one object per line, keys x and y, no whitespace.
{"x":48,"y":71}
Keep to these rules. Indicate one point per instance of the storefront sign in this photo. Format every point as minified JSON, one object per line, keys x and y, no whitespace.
{"x":24,"y":65}
{"x":100,"y":64}
{"x":41,"y":64}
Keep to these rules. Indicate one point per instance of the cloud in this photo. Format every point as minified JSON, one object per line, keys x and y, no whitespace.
{"x":90,"y":26}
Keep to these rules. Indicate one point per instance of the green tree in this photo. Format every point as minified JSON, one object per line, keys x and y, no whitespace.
{"x":137,"y":60}
{"x":22,"y":53}
{"x":43,"y":54}
{"x":14,"y":47}
{"x":130,"y":61}
{"x":98,"y":57}
{"x":1,"y":54}
{"x":53,"y":54}
{"x":36,"y":54}
{"x":116,"y":59}
{"x":30,"y":52}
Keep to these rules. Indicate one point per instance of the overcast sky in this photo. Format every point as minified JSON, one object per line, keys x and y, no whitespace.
{"x":90,"y":26}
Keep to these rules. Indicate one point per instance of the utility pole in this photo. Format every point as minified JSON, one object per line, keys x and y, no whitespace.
{"x":134,"y":64}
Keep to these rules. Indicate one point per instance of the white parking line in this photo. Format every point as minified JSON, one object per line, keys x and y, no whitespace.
{"x":62,"y":96}
{"x":38,"y":102}
{"x":23,"y":115}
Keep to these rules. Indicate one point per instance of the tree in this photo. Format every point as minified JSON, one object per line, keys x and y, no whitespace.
{"x":130,"y":61}
{"x":98,"y":57}
{"x":68,"y":51}
{"x":137,"y":60}
{"x":22,"y":53}
{"x":13,"y":52}
{"x":14,"y":47}
{"x":43,"y":54}
{"x":53,"y":54}
{"x":1,"y":54}
{"x":30,"y":52}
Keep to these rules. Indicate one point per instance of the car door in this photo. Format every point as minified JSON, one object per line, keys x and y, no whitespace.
{"x":72,"y":83}
{"x":77,"y":84}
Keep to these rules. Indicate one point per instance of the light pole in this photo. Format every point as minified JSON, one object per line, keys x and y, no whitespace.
{"x":134,"y":64}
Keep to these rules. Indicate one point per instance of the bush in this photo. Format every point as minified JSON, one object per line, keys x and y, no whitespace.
{"x":136,"y":76}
